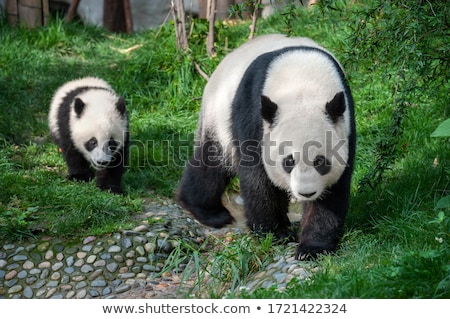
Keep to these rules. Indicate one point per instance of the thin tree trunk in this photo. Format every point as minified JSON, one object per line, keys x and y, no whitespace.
{"x":179,"y":19}
{"x":211,"y":14}
{"x":255,"y":15}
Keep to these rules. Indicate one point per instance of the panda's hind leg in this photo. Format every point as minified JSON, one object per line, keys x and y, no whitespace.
{"x":202,"y":185}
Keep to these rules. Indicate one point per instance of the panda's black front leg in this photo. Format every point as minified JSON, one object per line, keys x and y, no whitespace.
{"x":265,"y":205}
{"x":110,"y":178}
{"x":78,"y":167}
{"x":323,"y":221}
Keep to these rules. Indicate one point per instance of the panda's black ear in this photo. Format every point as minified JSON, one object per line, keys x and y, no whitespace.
{"x":121,"y":106}
{"x":268,"y":109}
{"x":336,"y":107}
{"x":79,"y":106}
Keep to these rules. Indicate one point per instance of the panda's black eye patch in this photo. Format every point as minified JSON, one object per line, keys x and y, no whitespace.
{"x":113,"y":145}
{"x":288,"y":163}
{"x":322,"y":165}
{"x":91,"y":144}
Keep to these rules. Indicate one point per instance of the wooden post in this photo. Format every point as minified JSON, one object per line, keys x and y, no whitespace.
{"x":31,"y":13}
{"x":72,"y":10}
{"x":117,"y":16}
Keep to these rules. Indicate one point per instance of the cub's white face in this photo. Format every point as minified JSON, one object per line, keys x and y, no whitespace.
{"x":98,"y":130}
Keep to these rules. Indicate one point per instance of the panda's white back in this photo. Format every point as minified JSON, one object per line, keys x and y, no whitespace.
{"x":222,"y":85}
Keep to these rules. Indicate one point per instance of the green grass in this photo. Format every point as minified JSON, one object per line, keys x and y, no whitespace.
{"x":396,"y":56}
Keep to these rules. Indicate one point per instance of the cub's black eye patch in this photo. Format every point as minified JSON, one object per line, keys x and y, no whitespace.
{"x":113,"y":145}
{"x":288,"y":163}
{"x":322,"y":165}
{"x":91,"y":144}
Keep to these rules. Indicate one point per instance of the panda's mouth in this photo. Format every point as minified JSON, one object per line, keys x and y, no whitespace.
{"x":100,"y":165}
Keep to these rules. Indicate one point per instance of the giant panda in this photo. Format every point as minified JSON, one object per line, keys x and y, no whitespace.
{"x":89,"y":123}
{"x":278,"y":113}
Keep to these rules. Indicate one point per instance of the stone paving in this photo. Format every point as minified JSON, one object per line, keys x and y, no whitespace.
{"x":126,"y":264}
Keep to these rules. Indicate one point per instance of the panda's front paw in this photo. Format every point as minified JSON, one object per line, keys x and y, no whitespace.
{"x":312,"y":251}
{"x":113,"y":189}
{"x":80,"y":177}
{"x":285,"y":235}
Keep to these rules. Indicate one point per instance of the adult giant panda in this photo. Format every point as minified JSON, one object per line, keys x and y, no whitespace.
{"x":89,"y":123}
{"x":278,"y":113}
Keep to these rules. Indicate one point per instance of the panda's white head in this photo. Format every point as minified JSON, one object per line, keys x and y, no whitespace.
{"x":305,"y":152}
{"x":305,"y":124}
{"x":98,"y":124}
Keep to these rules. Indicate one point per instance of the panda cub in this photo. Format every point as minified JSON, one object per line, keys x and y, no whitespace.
{"x":277,"y":112}
{"x":89,"y":123}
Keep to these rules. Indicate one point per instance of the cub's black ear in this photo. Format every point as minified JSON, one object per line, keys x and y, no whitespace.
{"x":120,"y":105}
{"x":336,"y":107}
{"x":79,"y":106}
{"x":268,"y":109}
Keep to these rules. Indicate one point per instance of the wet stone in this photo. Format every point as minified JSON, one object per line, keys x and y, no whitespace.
{"x":94,"y":293}
{"x":35,"y":271}
{"x":39,"y":284}
{"x":106,"y":291}
{"x":70,"y":261}
{"x":80,"y":285}
{"x":86,"y":268}
{"x":28,"y":265}
{"x":98,"y":283}
{"x":69,"y":270}
{"x":81,"y":254}
{"x":12,"y":282}
{"x":123,"y":288}
{"x":87,"y":248}
{"x":81,"y":294}
{"x":58,"y":248}
{"x":28,"y":292}
{"x":71,"y":250}
{"x":65,"y":279}
{"x":30,"y":280}
{"x":10,"y":275}
{"x":20,"y":258}
{"x":15,"y":289}
{"x":114,"y":249}
{"x":12,"y":266}
{"x":44,"y":274}
{"x":57,"y":266}
{"x":49,"y":254}
{"x":97,"y":249}
{"x":126,"y":243}
{"x":105,"y":256}
{"x":96,"y":274}
{"x":36,"y":256}
{"x":22,"y":274}
{"x":112,"y":267}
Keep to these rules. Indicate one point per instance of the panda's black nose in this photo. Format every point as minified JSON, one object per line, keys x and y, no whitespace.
{"x":307,"y":195}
